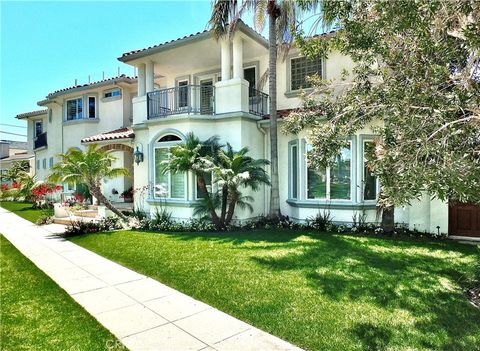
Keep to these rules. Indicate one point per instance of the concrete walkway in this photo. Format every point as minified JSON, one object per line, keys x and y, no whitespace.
{"x":141,"y":312}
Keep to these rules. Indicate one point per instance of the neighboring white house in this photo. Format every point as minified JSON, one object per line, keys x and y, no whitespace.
{"x":212,"y":88}
{"x":12,"y":151}
{"x":78,"y":112}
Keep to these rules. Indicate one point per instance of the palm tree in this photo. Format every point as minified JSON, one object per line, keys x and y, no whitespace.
{"x":197,"y":157}
{"x":231,"y":171}
{"x":89,"y":167}
{"x":236,"y":170}
{"x":282,"y":19}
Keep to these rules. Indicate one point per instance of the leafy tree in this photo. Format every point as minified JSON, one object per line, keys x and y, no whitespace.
{"x":282,"y":18}
{"x":89,"y":167}
{"x":416,"y":74}
{"x":15,"y":171}
{"x":232,"y":171}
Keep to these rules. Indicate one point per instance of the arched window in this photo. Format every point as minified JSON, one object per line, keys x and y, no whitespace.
{"x":167,"y":185}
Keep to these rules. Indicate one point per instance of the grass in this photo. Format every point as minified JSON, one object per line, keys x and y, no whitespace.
{"x":320,"y":292}
{"x":38,"y":315}
{"x":25,"y":210}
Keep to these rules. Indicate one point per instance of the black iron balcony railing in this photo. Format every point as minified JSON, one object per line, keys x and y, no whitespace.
{"x":40,"y":141}
{"x":258,"y":102}
{"x":189,"y":99}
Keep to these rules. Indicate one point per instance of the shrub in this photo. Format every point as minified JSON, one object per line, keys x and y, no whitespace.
{"x":44,"y":219}
{"x":321,"y":221}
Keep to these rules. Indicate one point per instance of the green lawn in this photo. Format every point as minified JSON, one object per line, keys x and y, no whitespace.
{"x":25,"y":210}
{"x":320,"y":292}
{"x":38,"y":315}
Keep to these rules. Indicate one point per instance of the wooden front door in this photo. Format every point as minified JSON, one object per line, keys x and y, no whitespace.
{"x":464,"y":220}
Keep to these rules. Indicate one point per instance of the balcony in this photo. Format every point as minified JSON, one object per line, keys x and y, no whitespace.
{"x":186,"y":99}
{"x":40,"y":141}
{"x":257,"y":103}
{"x":202,"y":100}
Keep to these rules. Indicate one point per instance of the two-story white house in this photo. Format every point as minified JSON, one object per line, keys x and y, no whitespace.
{"x":212,"y":88}
{"x":74,"y":113}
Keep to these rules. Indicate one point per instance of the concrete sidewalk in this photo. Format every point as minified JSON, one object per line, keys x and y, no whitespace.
{"x":141,"y":312}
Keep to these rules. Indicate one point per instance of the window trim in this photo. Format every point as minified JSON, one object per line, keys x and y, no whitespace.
{"x":363,"y":139}
{"x":288,"y":89}
{"x":88,"y":107}
{"x":166,"y":145}
{"x":83,"y":109}
{"x":303,"y":194}
{"x":291,"y":145}
{"x":39,"y":121}
{"x":112,"y":98}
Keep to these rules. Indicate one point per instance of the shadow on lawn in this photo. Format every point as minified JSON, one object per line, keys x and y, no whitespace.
{"x":390,"y":277}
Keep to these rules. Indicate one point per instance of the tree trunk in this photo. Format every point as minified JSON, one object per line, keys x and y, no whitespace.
{"x":272,"y":90}
{"x":388,"y":220}
{"x":231,"y":207}
{"x":95,"y":190}
{"x":224,"y":202}
{"x":213,"y":213}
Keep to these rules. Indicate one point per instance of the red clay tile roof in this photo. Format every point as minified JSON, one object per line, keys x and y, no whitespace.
{"x":31,"y":114}
{"x":281,"y":113}
{"x":122,"y":133}
{"x":125,"y":55}
{"x":121,"y":77}
{"x":128,"y":53}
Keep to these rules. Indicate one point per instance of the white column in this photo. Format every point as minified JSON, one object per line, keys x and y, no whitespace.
{"x":149,"y":76}
{"x":225,"y":58}
{"x":141,"y":80}
{"x":237,"y":57}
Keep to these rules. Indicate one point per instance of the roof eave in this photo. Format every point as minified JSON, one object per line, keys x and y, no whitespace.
{"x":191,"y":39}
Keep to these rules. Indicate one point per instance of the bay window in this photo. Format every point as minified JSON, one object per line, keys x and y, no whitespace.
{"x":370,"y":181}
{"x":334,"y":182}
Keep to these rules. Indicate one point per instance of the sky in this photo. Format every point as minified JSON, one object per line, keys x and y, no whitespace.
{"x":45,"y":46}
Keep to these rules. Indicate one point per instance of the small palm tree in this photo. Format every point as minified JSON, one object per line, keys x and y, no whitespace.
{"x":89,"y":167}
{"x":197,"y":157}
{"x":234,"y":171}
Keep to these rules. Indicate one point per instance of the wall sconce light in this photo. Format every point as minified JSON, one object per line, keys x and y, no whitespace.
{"x":138,"y":155}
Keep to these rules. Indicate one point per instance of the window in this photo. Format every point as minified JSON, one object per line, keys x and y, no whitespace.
{"x":38,"y":129}
{"x":300,"y":68}
{"x":167,"y":185}
{"x":92,"y":107}
{"x":50,"y":162}
{"x":332,"y":183}
{"x":74,"y":109}
{"x":294,"y":171}
{"x":44,"y":163}
{"x":370,"y":181}
{"x":208,"y":182}
{"x":38,"y":164}
{"x":49,"y":115}
{"x":112,"y":93}
{"x":250,"y":77}
{"x":183,"y":93}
